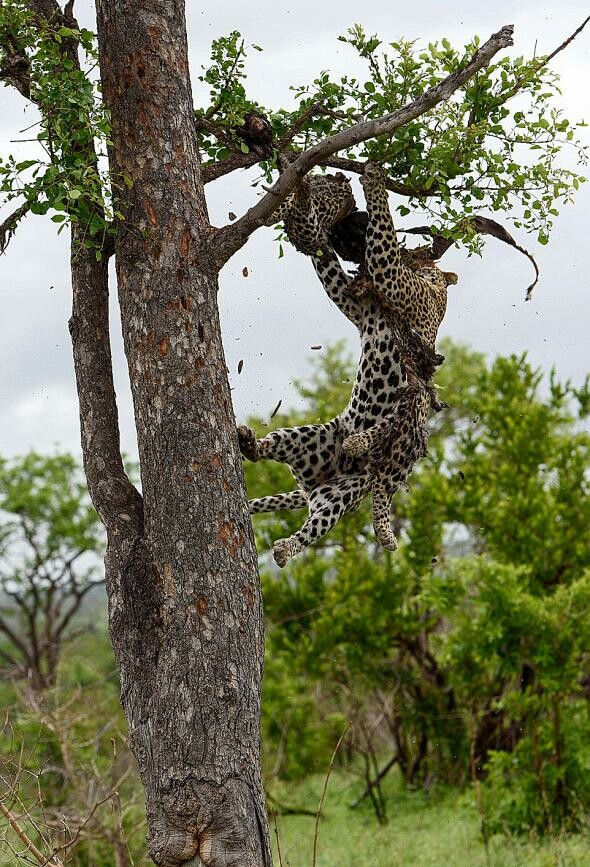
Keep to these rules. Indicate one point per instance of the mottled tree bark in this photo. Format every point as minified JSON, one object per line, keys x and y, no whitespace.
{"x":184,"y":594}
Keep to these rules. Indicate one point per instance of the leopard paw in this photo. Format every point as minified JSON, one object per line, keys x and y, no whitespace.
{"x":355,"y":445}
{"x":386,"y":538}
{"x":373,"y":175}
{"x":284,"y":549}
{"x":248,"y":443}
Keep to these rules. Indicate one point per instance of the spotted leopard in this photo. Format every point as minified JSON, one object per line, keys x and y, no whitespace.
{"x":309,"y":213}
{"x":332,"y":483}
{"x":339,"y":463}
{"x":373,"y":445}
{"x":415,"y":292}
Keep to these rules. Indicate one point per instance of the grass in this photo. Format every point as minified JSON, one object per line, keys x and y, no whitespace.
{"x":422,"y":831}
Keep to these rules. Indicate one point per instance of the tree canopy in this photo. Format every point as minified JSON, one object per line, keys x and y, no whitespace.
{"x":498,"y":143}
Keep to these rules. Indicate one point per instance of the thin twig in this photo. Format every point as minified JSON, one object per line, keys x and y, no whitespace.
{"x":321,"y":804}
{"x":276,"y":827}
{"x":24,"y":838}
{"x":541,"y":63}
{"x":8,"y":227}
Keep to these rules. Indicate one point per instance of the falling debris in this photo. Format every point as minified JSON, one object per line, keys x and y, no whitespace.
{"x":276,"y":409}
{"x":240,"y":365}
{"x":319,"y":346}
{"x":232,"y":216}
{"x":245,"y":271}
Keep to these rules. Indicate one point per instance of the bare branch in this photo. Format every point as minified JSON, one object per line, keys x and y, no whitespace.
{"x":8,"y":227}
{"x":15,"y":640}
{"x":236,"y":160}
{"x":522,"y":80}
{"x":23,"y":836}
{"x":358,"y":168}
{"x":230,"y":238}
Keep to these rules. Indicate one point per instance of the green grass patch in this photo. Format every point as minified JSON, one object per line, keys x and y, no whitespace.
{"x":436,"y":830}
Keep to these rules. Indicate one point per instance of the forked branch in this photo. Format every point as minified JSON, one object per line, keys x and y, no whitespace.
{"x":232,"y":237}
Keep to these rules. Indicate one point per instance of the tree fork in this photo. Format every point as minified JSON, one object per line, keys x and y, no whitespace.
{"x":187,"y":593}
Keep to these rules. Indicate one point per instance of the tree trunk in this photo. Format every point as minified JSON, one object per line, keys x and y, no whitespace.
{"x":185,"y":606}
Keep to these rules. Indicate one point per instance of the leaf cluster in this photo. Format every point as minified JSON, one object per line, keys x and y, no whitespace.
{"x":502,"y":144}
{"x":63,"y":177}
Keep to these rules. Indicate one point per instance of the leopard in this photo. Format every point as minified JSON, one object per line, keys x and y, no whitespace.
{"x":331,"y":483}
{"x":313,"y":209}
{"x":408,"y":283}
{"x":337,"y":464}
{"x":373,"y":445}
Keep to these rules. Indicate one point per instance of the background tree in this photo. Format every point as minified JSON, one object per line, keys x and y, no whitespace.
{"x":464,"y":657}
{"x":50,"y":539}
{"x":184,"y":598}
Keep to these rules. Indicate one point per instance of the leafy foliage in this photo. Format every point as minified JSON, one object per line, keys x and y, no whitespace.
{"x":496,"y":145}
{"x":465,"y":655}
{"x":63,"y":176}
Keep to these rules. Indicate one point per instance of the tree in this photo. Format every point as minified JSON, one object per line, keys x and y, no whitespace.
{"x":181,"y":571}
{"x":48,"y":536}
{"x":465,"y":656}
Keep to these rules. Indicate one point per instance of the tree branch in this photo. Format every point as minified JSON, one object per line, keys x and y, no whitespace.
{"x":541,"y":63}
{"x":358,"y":168}
{"x":114,"y":497}
{"x":232,"y":237}
{"x":8,"y":227}
{"x":15,"y":639}
{"x":26,"y":840}
{"x":236,"y":160}
{"x":16,"y":68}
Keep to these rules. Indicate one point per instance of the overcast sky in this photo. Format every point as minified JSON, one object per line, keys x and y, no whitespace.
{"x":273,"y":317}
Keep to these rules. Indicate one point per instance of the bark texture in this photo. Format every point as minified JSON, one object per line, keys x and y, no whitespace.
{"x":184,"y":594}
{"x":185,"y":608}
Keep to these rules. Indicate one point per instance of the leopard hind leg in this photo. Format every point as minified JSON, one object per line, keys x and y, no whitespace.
{"x":296,"y":499}
{"x":382,"y":516}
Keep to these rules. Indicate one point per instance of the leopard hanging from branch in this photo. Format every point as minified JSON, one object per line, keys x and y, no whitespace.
{"x":313,"y":209}
{"x":373,"y":445}
{"x":407,"y":281}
